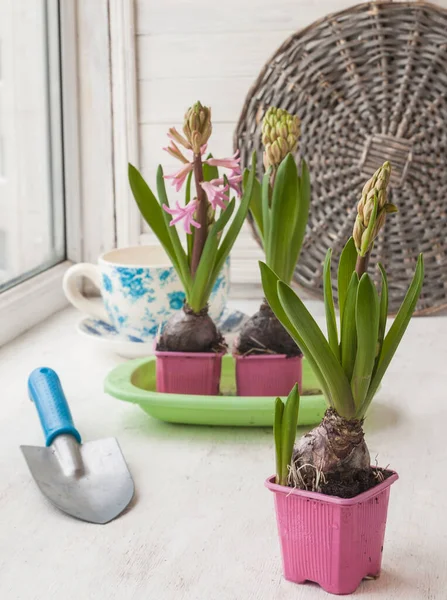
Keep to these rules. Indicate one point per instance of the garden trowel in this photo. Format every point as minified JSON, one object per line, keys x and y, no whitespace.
{"x":88,"y":481}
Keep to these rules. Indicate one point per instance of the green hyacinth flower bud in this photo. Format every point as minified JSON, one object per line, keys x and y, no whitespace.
{"x":358,"y":232}
{"x":197,"y":126}
{"x":372,"y":209}
{"x":378,"y":183}
{"x":280,"y":135}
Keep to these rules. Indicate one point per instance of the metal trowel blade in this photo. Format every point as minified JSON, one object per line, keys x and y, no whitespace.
{"x":96,"y":490}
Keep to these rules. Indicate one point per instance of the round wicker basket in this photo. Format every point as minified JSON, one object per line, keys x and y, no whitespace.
{"x":369,"y":84}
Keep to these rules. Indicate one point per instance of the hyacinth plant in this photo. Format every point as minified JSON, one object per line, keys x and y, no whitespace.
{"x":280,"y":208}
{"x":350,"y":364}
{"x":207,"y":210}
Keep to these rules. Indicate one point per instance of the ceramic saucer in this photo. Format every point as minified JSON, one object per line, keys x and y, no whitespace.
{"x":105,"y":334}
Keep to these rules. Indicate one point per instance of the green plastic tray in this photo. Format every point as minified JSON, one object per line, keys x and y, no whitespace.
{"x":134,"y":381}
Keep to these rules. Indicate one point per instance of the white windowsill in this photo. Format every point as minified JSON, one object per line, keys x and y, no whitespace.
{"x":32,"y":301}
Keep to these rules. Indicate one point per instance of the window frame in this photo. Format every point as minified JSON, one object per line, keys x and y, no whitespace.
{"x":100,"y":136}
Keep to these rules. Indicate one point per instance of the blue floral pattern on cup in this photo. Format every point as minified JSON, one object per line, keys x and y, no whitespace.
{"x":176,"y":300}
{"x":139,"y":300}
{"x":107,"y":283}
{"x":166,"y":276}
{"x":135,"y":282}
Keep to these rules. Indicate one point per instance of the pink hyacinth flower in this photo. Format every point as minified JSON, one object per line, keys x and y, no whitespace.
{"x":179,"y":178}
{"x":234,"y":179}
{"x":173,"y":134}
{"x":228,"y":163}
{"x":215,"y":194}
{"x":175,"y":151}
{"x":183,"y":213}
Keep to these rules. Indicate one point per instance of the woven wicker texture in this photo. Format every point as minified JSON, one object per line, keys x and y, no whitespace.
{"x":369,"y":84}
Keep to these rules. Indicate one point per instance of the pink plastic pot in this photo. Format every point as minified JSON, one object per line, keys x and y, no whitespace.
{"x":196,"y":373}
{"x":332,"y":541}
{"x":267,"y":374}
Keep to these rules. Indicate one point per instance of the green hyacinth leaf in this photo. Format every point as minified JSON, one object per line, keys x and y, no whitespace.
{"x":397,"y":330}
{"x":346,"y":266}
{"x":255,"y":204}
{"x":303,"y":202}
{"x":331,"y":322}
{"x":277,"y":435}
{"x":383,"y":314}
{"x":288,"y":430}
{"x":266,"y":210}
{"x":283,"y":216}
{"x":319,"y":349}
{"x":348,"y":332}
{"x":367,"y":325}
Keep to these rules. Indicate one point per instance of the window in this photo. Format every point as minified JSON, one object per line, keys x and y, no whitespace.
{"x":68,"y":128}
{"x":32,"y":231}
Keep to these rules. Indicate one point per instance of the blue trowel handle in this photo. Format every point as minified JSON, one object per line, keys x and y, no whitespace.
{"x":46,"y":391}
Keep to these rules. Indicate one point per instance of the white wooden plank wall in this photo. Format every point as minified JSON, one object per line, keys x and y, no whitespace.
{"x":212,"y":51}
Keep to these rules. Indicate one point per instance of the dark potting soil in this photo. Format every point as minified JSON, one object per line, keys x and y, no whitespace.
{"x":355,"y":484}
{"x":264,"y":334}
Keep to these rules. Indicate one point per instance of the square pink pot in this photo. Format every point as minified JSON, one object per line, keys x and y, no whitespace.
{"x":194,"y":373}
{"x":267,"y":374}
{"x":332,"y":541}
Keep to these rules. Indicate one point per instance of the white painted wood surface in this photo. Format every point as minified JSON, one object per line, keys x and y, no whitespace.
{"x":71,"y":125}
{"x":95,"y":128}
{"x":202,"y":526}
{"x":125,"y":118}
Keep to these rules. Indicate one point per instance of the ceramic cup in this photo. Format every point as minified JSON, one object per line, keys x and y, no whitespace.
{"x":140,"y":290}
